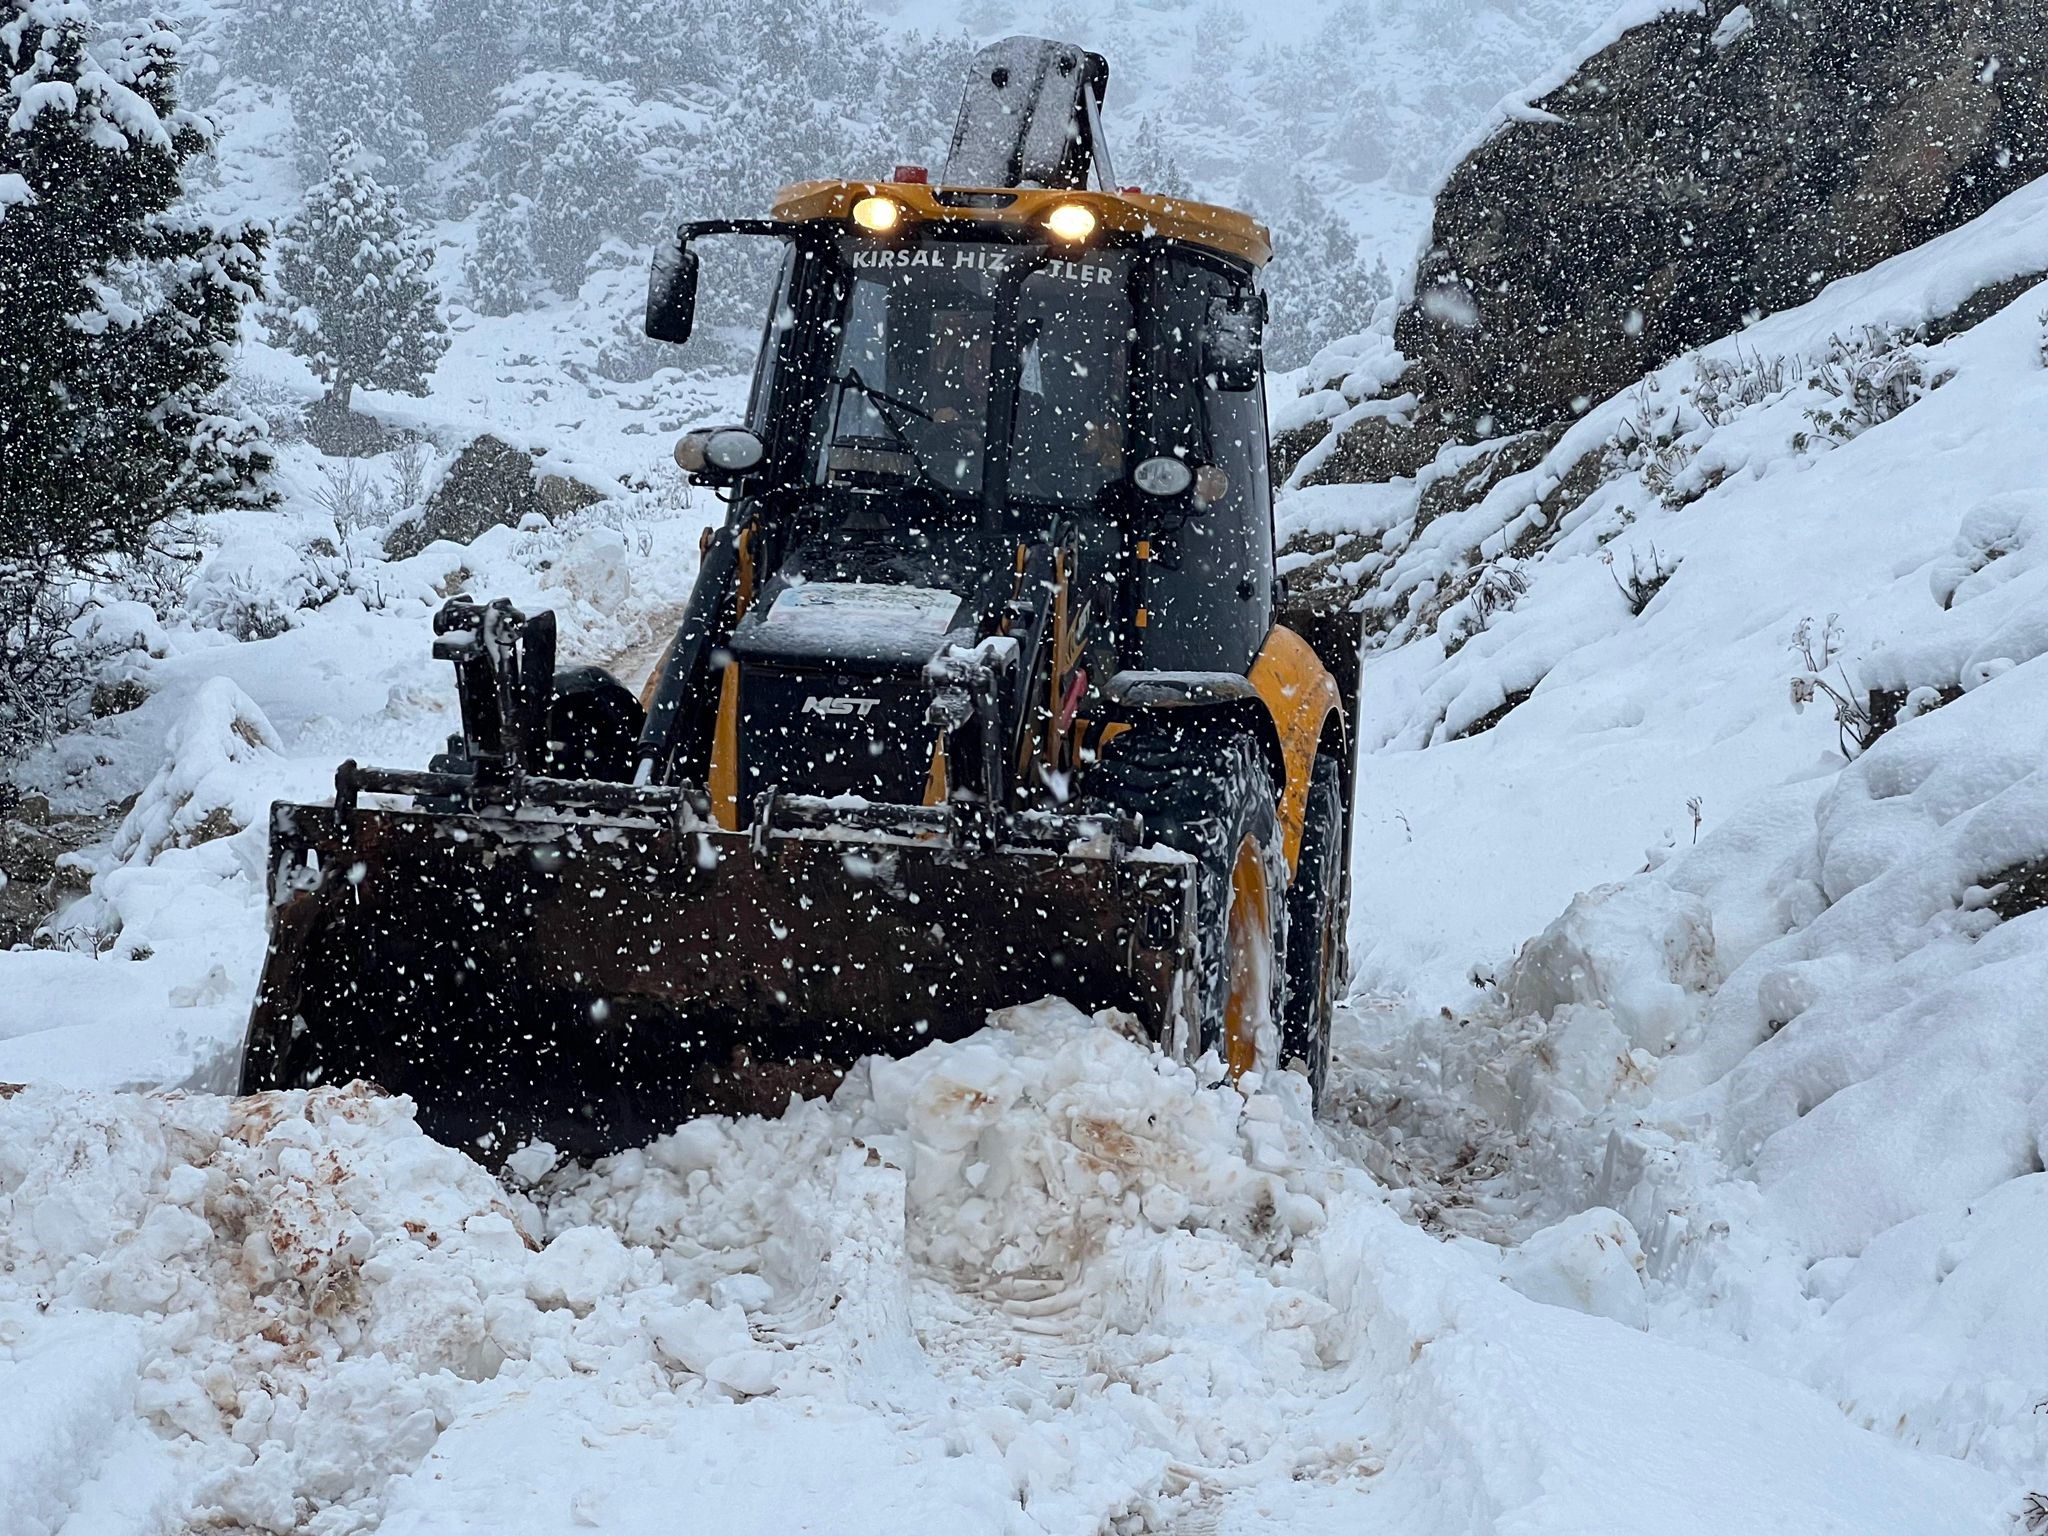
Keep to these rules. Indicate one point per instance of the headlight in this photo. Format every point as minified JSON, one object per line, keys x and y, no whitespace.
{"x":1071,"y":222}
{"x":878,"y":215}
{"x":1163,"y":477}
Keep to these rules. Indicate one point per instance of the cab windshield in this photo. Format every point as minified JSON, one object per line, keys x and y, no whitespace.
{"x":973,"y":368}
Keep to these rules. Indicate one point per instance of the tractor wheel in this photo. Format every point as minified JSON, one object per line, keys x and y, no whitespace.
{"x":593,"y":727}
{"x":1207,"y":793}
{"x":1315,"y":929}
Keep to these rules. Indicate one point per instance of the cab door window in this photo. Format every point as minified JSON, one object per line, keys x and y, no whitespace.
{"x":1210,"y":592}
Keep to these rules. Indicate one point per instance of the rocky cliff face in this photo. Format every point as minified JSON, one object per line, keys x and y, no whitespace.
{"x":1715,"y":164}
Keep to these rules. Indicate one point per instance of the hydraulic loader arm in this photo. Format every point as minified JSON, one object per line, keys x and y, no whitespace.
{"x":676,"y":738}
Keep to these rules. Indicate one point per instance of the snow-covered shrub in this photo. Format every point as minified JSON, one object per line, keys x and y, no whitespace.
{"x":362,"y":95}
{"x":1873,"y":375}
{"x":355,"y":499}
{"x":255,"y":586}
{"x":1818,"y":653}
{"x":1145,"y":160}
{"x":66,"y":654}
{"x":411,"y":465}
{"x":1663,"y":437}
{"x":281,"y":407}
{"x":1726,"y":387}
{"x":362,"y":507}
{"x":204,"y":789}
{"x":44,"y":677}
{"x":500,"y":275}
{"x":159,"y":578}
{"x":1645,"y":579}
{"x":1991,"y":534}
{"x":1485,"y":591}
{"x":1655,"y":442}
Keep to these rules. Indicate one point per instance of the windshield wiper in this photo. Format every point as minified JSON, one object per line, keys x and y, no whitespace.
{"x":882,"y":400}
{"x":851,"y":379}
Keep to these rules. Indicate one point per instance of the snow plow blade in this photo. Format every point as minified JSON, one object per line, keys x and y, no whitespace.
{"x":593,"y":978}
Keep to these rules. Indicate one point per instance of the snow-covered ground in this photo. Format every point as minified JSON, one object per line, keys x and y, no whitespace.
{"x":1716,"y":1211}
{"x":231,"y":724}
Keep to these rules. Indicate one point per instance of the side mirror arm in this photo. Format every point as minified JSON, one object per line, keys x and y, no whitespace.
{"x":672,"y":282}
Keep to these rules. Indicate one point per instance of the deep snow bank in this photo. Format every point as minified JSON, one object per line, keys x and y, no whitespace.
{"x":1040,"y":1280}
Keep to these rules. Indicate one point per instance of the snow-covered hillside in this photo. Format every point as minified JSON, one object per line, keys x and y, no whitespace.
{"x":1787,"y":1021}
{"x":1333,"y":121}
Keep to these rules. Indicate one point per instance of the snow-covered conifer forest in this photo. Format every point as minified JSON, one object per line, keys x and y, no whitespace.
{"x":1657,"y":388}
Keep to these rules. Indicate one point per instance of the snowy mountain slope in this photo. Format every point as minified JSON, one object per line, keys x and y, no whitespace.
{"x":1335,"y":109}
{"x":1799,"y":1057}
{"x":1770,"y":534}
{"x":149,"y":982}
{"x":1036,"y":1281}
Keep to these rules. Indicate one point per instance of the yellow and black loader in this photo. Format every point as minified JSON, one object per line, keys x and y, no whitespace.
{"x":986,"y":693}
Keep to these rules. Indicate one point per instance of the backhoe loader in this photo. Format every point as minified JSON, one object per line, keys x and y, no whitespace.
{"x":987,"y":692}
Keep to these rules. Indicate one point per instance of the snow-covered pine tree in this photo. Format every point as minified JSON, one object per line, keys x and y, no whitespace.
{"x":120,"y":313}
{"x":120,"y":309}
{"x":825,"y":48}
{"x":346,"y":66}
{"x":1147,"y":162}
{"x":460,"y":51}
{"x":922,"y":96}
{"x":355,"y":281}
{"x":499,"y":275}
{"x":1321,"y":284}
{"x":362,"y":94}
{"x":593,"y":160}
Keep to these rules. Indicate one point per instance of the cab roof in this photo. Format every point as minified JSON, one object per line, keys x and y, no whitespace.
{"x":1223,"y":230}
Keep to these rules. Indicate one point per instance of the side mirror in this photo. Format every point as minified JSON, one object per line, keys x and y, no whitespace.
{"x":720,"y":455}
{"x":672,"y":294}
{"x":1230,"y":342}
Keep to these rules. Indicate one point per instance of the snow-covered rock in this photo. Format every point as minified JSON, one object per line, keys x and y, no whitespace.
{"x":1590,"y":1262}
{"x":205,"y":788}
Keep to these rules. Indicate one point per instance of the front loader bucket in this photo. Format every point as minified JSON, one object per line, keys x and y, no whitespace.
{"x":595,"y":982}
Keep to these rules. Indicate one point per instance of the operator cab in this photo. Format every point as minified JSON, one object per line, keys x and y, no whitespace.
{"x":963,"y":366}
{"x":922,"y":337}
{"x":961,"y":383}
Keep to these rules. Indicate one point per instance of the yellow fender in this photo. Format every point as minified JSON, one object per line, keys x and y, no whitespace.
{"x":1301,"y":696}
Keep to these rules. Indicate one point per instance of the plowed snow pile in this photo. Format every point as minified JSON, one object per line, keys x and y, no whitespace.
{"x":1037,"y":1281}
